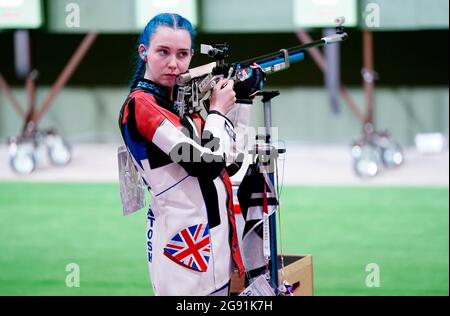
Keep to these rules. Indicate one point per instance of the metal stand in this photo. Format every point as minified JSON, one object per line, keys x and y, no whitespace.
{"x":374,"y":148}
{"x":271,"y":153}
{"x":24,"y":148}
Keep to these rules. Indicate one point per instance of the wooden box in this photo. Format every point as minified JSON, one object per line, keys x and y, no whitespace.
{"x":298,"y":272}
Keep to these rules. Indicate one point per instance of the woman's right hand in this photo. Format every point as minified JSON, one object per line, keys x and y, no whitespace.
{"x":223,"y":97}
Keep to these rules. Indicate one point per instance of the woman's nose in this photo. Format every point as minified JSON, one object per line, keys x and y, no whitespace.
{"x":172,"y":62}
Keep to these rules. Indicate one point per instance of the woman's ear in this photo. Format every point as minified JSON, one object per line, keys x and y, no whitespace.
{"x":142,"y":50}
{"x":192,"y":52}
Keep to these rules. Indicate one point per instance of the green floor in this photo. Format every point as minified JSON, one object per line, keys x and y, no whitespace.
{"x":44,"y":227}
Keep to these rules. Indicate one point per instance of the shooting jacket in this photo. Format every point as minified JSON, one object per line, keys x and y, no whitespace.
{"x":186,"y":164}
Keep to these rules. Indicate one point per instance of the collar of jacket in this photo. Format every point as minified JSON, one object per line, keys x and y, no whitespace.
{"x":160,"y":92}
{"x":153,"y":88}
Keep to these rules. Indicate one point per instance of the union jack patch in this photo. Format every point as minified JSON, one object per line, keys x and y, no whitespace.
{"x":190,"y":247}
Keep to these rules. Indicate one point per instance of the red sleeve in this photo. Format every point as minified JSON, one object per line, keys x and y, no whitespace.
{"x":149,"y":115}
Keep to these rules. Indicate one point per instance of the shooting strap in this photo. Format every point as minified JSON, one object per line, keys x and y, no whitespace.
{"x":234,"y":243}
{"x":266,"y":232}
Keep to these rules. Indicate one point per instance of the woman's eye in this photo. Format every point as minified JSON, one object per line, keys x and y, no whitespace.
{"x":163,"y":52}
{"x":183,"y":54}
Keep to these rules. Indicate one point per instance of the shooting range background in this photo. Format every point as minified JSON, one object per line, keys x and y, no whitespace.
{"x":411,"y":95}
{"x":398,"y":220}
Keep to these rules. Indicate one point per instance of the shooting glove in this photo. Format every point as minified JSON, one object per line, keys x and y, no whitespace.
{"x":246,"y":89}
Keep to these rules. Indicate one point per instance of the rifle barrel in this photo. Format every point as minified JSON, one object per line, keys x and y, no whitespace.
{"x":293,"y":58}
{"x":296,"y":52}
{"x":264,"y":58}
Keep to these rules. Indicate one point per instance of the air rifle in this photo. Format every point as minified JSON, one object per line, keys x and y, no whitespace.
{"x":196,"y":84}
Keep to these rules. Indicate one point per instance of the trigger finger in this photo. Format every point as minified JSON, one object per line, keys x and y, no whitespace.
{"x":229,"y":84}
{"x":219,"y":84}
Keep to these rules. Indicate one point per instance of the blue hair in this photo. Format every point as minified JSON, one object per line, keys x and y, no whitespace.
{"x":172,"y":20}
